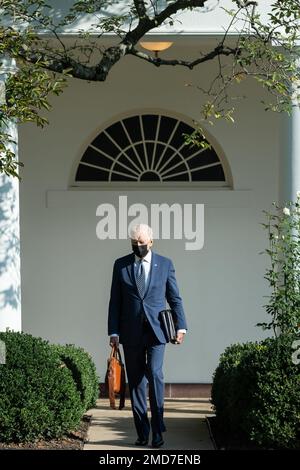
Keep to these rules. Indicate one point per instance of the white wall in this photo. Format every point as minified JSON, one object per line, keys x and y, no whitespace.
{"x":66,"y":270}
{"x":206,"y":20}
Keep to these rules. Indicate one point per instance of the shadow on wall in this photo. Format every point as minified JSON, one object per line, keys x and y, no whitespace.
{"x":10,"y":289}
{"x":58,"y":10}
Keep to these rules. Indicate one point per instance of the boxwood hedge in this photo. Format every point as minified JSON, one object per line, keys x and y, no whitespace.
{"x":38,"y":396}
{"x":83,"y":371}
{"x":256,"y":393}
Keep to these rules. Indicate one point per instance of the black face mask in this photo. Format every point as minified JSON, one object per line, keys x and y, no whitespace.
{"x":140,"y":250}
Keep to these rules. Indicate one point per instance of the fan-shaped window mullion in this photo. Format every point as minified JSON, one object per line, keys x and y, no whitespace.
{"x":170,"y":159}
{"x":176,"y":164}
{"x":107,"y":170}
{"x":123,"y":174}
{"x":155,"y":142}
{"x":99,"y":167}
{"x":144,"y":143}
{"x":185,"y":159}
{"x":148,"y":148}
{"x":109,"y":157}
{"x":122,"y":152}
{"x":116,"y":162}
{"x":194,"y":169}
{"x":132,"y":144}
{"x":113,"y":170}
{"x":167,"y":145}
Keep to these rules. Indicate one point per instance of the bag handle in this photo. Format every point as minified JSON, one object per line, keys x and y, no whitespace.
{"x":115,"y":352}
{"x":109,"y":381}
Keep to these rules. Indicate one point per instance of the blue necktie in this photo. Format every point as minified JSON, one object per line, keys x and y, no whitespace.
{"x":140,"y":278}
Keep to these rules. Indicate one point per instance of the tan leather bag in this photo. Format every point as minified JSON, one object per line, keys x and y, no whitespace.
{"x":115,"y":378}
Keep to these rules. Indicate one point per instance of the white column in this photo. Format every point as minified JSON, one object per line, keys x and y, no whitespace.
{"x":289,"y":169}
{"x":10,"y":279}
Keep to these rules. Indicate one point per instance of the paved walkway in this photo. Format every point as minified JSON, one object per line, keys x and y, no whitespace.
{"x":184,"y":419}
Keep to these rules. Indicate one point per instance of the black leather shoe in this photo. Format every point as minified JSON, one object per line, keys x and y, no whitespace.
{"x":157,"y":440}
{"x":141,"y":442}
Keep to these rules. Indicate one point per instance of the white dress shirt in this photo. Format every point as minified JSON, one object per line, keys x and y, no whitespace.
{"x":147,"y":266}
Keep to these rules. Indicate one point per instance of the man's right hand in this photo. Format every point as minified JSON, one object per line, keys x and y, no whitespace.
{"x":114,"y":341}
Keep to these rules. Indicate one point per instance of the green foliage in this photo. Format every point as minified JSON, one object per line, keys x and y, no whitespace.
{"x":197,"y":139}
{"x":256,"y":386}
{"x":256,"y":393}
{"x":38,"y":396}
{"x":26,"y":92}
{"x":86,"y":6}
{"x":83,"y":371}
{"x":263,"y":50}
{"x":8,"y":163}
{"x":283,"y":275}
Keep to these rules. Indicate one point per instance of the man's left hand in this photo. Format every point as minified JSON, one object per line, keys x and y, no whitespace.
{"x":179,"y":338}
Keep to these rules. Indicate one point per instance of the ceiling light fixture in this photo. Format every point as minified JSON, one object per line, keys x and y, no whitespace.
{"x":156,"y":47}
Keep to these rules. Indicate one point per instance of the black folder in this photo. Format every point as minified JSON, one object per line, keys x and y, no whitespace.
{"x":168,"y":325}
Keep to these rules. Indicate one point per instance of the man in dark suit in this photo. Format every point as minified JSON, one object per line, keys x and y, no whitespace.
{"x":142,"y":282}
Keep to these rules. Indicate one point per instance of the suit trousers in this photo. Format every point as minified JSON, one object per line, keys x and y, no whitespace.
{"x":144,"y":364}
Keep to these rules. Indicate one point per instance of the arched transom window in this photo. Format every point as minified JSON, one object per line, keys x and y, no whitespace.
{"x":148,"y":148}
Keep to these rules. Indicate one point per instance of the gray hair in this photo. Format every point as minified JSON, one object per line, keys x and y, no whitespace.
{"x":141,"y":230}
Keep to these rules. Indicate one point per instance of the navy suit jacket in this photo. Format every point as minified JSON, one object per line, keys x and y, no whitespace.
{"x":126,"y":307}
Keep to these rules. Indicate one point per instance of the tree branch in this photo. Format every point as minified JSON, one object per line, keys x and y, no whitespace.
{"x":60,"y":61}
{"x":112,"y":54}
{"x":245,"y":4}
{"x":157,"y":61}
{"x":146,"y":24}
{"x":263,"y":50}
{"x":173,"y":8}
{"x":140,"y":8}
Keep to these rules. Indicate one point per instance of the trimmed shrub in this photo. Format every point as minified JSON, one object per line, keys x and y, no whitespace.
{"x":256,"y":393}
{"x":38,"y":396}
{"x":83,"y":371}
